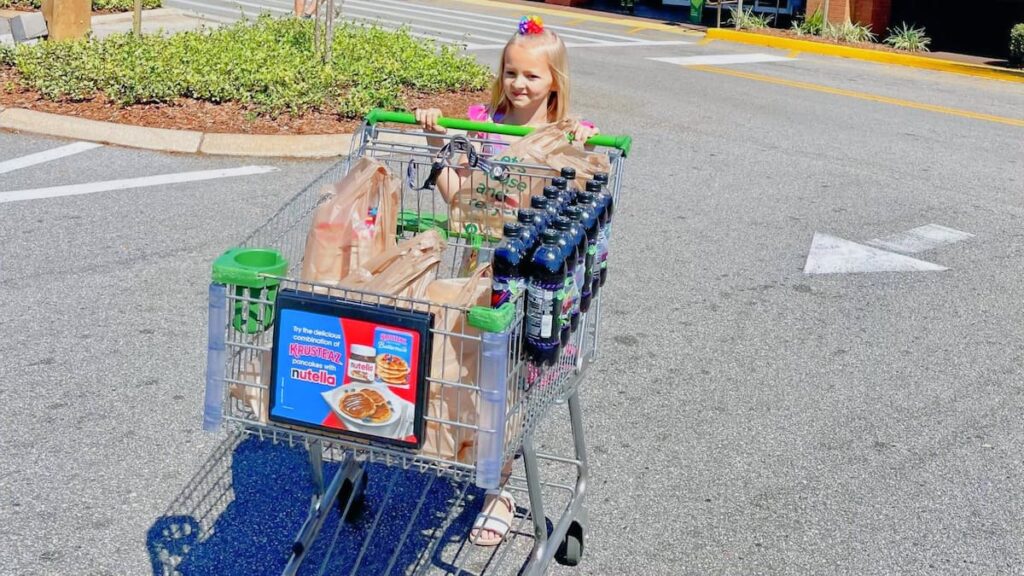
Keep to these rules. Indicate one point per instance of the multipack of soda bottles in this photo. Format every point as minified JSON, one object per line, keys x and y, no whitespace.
{"x":558,"y":253}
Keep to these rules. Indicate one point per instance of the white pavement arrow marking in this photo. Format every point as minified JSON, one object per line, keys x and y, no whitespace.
{"x":108,"y":185}
{"x":832,"y":255}
{"x":920,"y":239}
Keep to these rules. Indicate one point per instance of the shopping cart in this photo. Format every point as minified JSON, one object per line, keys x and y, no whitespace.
{"x":510,"y":395}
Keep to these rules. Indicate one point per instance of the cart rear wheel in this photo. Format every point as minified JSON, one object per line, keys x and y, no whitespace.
{"x":352,"y":494}
{"x":570,"y":552}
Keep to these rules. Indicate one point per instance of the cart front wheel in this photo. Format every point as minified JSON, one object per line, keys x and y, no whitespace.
{"x":570,"y":552}
{"x":352,"y":495}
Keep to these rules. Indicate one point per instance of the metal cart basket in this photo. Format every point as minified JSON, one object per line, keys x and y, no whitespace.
{"x":511,"y":396}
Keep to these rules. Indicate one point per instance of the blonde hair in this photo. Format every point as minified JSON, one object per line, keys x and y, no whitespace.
{"x":551,"y":46}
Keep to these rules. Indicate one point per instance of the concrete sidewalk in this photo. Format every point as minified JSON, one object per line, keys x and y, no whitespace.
{"x":165,"y":20}
{"x":160,"y":20}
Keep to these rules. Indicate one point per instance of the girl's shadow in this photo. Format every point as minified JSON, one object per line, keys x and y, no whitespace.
{"x":240,"y":514}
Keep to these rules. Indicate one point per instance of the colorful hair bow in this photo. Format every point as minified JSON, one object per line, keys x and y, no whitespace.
{"x":529,"y":25}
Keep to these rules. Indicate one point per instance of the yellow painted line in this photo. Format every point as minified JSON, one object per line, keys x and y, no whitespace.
{"x":575,"y":21}
{"x":635,"y":30}
{"x":878,"y":56}
{"x":1019,"y":122}
{"x":705,"y":41}
{"x":793,"y":54}
{"x":584,"y":17}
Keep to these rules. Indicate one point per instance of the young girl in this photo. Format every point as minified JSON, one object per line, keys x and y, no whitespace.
{"x":531,"y":89}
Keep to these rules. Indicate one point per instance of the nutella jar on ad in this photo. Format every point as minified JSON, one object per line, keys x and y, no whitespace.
{"x":362,"y":363}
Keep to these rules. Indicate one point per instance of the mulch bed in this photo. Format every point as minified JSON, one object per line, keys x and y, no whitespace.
{"x":228,"y":117}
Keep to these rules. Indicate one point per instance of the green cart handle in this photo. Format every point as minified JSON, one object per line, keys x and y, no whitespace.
{"x":622,"y":143}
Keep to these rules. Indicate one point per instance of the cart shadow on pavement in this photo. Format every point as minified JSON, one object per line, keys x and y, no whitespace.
{"x":240,"y":513}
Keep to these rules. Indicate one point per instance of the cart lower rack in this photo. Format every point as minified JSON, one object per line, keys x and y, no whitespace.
{"x":404,"y":511}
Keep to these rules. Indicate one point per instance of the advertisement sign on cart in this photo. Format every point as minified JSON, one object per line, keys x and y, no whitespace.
{"x":349,"y":368}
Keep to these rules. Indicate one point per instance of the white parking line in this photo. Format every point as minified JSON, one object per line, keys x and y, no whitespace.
{"x":46,"y":156}
{"x":439,"y":31}
{"x":472,"y":30}
{"x":450,"y":20}
{"x":204,"y":9}
{"x":108,"y":185}
{"x":511,"y":23}
{"x":720,"y":59}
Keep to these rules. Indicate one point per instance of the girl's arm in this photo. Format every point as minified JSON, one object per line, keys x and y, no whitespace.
{"x":450,"y":180}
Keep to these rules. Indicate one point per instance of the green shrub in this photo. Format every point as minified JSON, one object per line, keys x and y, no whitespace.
{"x":848,"y":32}
{"x":267,"y":64}
{"x":6,"y":55}
{"x":906,"y":37}
{"x":811,"y":25}
{"x":747,"y":20}
{"x":1017,"y":46}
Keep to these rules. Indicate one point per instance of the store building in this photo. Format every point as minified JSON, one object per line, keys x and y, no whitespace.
{"x":978,"y":27}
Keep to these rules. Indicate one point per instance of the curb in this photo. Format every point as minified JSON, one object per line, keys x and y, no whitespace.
{"x":181,"y":141}
{"x":877,"y":56}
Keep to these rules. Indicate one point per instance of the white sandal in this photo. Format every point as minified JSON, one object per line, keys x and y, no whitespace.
{"x":494,"y":517}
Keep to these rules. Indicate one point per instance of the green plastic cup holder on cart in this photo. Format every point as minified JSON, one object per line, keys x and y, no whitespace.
{"x":492,"y":319}
{"x":246,"y":269}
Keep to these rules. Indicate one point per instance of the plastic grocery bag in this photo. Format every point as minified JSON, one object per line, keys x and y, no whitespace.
{"x":485,"y":202}
{"x":454,"y":359}
{"x":356,"y":221}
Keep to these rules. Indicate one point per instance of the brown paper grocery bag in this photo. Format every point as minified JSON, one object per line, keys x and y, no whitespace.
{"x":254,"y":372}
{"x":454,"y":359}
{"x":343,"y":235}
{"x":404,"y":270}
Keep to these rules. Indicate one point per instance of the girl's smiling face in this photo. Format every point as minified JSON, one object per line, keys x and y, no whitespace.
{"x":527,"y":81}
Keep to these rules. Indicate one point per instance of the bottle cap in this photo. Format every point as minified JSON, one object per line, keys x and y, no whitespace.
{"x":601,"y":177}
{"x":539,"y":203}
{"x":512,"y":229}
{"x":562,"y":224}
{"x":574,"y":213}
{"x":560,"y":182}
{"x":551,"y":236}
{"x":585,"y":198}
{"x":568,"y":173}
{"x":552,"y":193}
{"x":593,"y":186}
{"x":525,"y":216}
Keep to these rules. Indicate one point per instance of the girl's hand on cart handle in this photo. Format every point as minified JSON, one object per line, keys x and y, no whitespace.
{"x":584,"y":131}
{"x":428,"y":118}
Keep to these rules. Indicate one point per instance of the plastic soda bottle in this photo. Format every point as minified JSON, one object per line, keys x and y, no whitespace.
{"x":569,"y":174}
{"x":507,"y":265}
{"x":589,"y":221}
{"x":575,"y":215}
{"x":527,"y":233}
{"x":567,"y":243}
{"x":541,"y":216}
{"x":600,"y":205}
{"x":607,"y":203}
{"x":544,"y":295}
{"x":555,"y":199}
